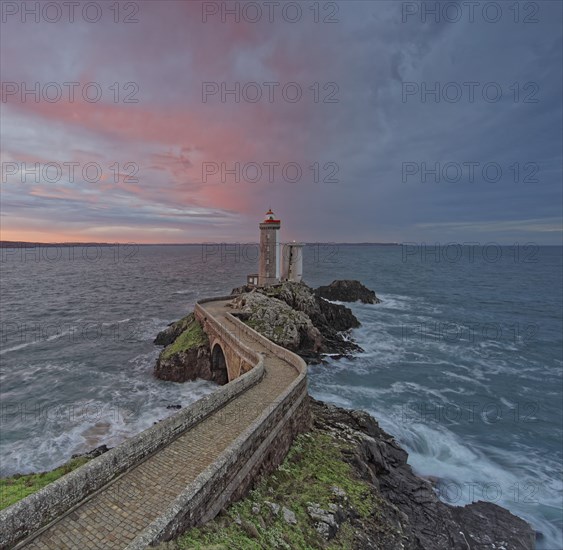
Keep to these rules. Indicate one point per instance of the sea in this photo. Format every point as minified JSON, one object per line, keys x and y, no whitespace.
{"x":462,"y":359}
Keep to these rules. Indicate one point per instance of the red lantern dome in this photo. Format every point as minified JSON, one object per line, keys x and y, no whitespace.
{"x":270,"y":217}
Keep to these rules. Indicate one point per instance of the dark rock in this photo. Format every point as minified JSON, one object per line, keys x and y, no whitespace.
{"x":410,"y":515}
{"x":93,"y":453}
{"x":173,"y":406}
{"x":484,"y":524}
{"x":335,"y":316}
{"x":347,"y":291}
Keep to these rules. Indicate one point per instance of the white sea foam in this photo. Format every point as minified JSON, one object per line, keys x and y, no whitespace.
{"x":130,"y":400}
{"x":77,"y":427}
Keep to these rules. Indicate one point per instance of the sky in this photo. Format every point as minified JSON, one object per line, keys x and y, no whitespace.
{"x":372,"y":121}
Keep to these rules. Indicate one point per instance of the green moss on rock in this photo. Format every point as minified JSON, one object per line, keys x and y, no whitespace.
{"x":312,"y":469}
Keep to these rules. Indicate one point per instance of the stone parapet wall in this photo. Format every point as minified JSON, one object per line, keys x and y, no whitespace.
{"x":259,"y":450}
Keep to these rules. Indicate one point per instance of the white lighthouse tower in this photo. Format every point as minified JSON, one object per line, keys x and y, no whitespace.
{"x":269,"y":265}
{"x":292,"y":262}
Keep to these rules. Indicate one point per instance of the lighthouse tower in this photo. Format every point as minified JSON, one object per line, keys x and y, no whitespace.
{"x":269,"y":266}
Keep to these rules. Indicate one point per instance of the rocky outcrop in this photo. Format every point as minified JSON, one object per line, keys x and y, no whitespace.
{"x":486,"y":525}
{"x":347,"y":291}
{"x":187,"y":355}
{"x":410,"y":515}
{"x":93,"y":453}
{"x":277,"y":321}
{"x":329,"y":318}
{"x":291,"y":315}
{"x":186,"y":365}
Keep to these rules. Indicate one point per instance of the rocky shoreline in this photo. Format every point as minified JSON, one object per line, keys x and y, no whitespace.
{"x":346,"y":484}
{"x":410,"y":508}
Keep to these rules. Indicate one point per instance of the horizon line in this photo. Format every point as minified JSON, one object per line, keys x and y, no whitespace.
{"x":4,"y":243}
{"x":103,"y":243}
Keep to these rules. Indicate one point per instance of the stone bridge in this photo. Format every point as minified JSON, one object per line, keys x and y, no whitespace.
{"x":182,"y":471}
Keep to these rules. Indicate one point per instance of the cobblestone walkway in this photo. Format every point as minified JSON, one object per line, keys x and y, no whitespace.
{"x":119,"y":511}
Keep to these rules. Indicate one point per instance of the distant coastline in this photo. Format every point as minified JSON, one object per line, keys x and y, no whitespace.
{"x":16,"y":244}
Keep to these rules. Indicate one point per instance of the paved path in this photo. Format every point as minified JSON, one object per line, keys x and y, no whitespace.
{"x":119,"y":511}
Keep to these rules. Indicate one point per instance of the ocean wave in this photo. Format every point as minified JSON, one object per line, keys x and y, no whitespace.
{"x":37,"y":341}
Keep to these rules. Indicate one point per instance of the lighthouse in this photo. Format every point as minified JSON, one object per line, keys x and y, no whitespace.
{"x":277,"y":262}
{"x":269,"y":265}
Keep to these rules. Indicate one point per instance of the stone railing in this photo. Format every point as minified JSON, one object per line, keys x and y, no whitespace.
{"x":35,"y":511}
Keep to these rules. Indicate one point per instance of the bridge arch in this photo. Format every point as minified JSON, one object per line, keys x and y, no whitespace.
{"x":219,"y":364}
{"x":237,"y":360}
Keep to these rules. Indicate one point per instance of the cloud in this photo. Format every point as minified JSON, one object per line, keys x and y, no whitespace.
{"x":351,"y":152}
